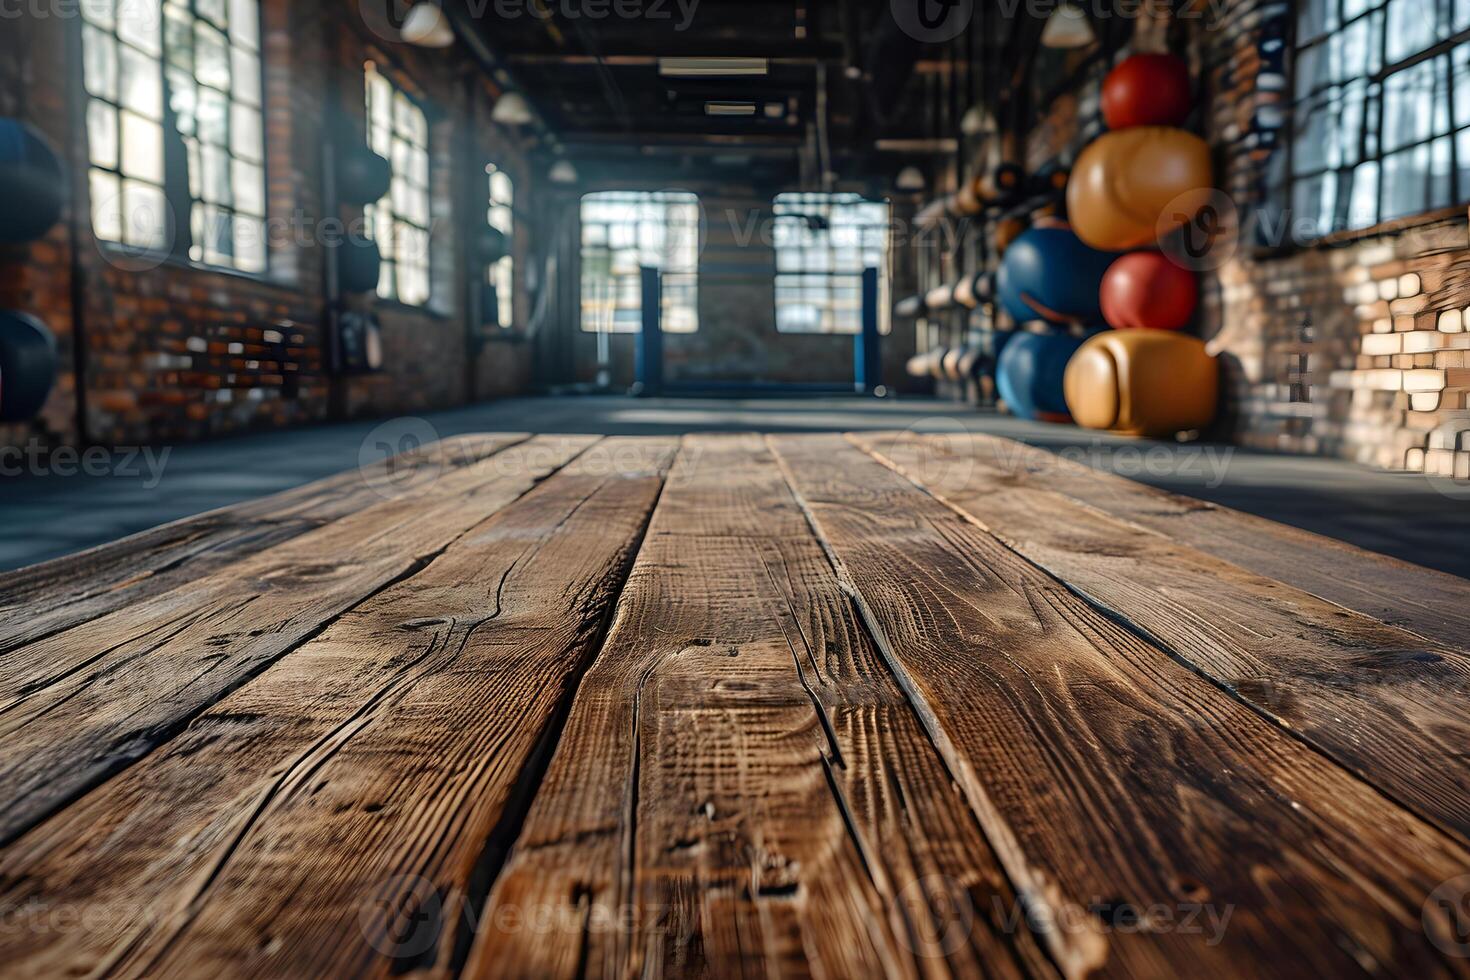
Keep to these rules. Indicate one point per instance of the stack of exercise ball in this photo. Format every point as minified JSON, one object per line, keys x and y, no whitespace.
{"x":32,"y":197}
{"x":1050,"y":283}
{"x":1140,"y":182}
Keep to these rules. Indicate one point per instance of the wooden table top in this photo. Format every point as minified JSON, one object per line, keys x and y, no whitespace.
{"x":867,"y":705}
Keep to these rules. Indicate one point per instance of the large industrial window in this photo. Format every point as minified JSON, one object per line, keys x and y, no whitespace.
{"x":1382,"y":111}
{"x":184,"y":74}
{"x":625,"y":230}
{"x":399,"y":130}
{"x":824,"y":242}
{"x":502,"y":217}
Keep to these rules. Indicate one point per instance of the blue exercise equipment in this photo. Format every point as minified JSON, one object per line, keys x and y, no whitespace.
{"x":1051,"y":271}
{"x":1030,"y":372}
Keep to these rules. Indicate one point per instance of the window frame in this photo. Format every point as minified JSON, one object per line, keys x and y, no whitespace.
{"x":824,"y":204}
{"x":680,"y":293}
{"x":1372,"y":149}
{"x":389,"y":282}
{"x":500,"y":214}
{"x":161,"y":63}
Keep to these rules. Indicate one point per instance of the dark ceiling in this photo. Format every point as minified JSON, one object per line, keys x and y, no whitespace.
{"x":595,"y":81}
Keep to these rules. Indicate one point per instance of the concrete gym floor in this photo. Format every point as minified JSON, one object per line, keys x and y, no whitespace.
{"x":1408,"y":516}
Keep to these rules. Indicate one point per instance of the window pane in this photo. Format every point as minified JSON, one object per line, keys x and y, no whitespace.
{"x":246,"y":139}
{"x":824,"y":242}
{"x":142,"y":148}
{"x":246,"y":72}
{"x":1413,"y":25}
{"x":99,"y":64}
{"x":249,"y":184}
{"x":211,"y":57}
{"x":1337,"y":112}
{"x":1441,"y":173}
{"x":398,"y":129}
{"x":140,"y":85}
{"x":1363,"y":204}
{"x":250,"y":244}
{"x":145,"y":215}
{"x":99,"y":12}
{"x":623,"y":231}
{"x":245,"y":23}
{"x":106,"y":193}
{"x":139,"y":23}
{"x":102,"y":134}
{"x":1405,"y":182}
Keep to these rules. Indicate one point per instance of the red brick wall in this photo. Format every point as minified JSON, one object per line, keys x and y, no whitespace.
{"x":1361,"y":311}
{"x":1320,"y":340}
{"x":180,"y":352}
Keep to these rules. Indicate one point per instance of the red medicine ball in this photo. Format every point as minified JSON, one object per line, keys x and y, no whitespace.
{"x":1144,"y":290}
{"x":1146,"y":90}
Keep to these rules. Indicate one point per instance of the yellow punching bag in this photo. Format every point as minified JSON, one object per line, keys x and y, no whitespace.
{"x":1142,"y":383}
{"x":1123,"y":182}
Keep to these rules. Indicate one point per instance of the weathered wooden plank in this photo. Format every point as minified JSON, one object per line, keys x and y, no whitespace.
{"x":79,"y":706}
{"x":1381,"y":701}
{"x":1431,"y":603}
{"x":45,"y":599}
{"x":741,"y":788}
{"x":381,"y":761}
{"x":1123,"y":792}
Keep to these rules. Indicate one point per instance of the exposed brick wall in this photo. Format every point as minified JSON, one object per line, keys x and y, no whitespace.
{"x":1350,"y":348}
{"x":180,"y":352}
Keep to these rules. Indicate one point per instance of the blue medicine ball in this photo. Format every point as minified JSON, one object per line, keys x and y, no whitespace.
{"x":1029,"y":375}
{"x":32,"y":183}
{"x":1055,"y":268}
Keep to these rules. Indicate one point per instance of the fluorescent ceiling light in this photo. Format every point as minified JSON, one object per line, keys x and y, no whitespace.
{"x":729,"y":108}
{"x":713,"y":66}
{"x":512,"y":109}
{"x":427,"y":27}
{"x":1067,"y":27}
{"x":941,"y":145}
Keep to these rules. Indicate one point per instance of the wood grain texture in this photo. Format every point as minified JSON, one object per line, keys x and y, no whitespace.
{"x":741,"y":788}
{"x":45,"y":599}
{"x":1427,"y":602}
{"x":335,"y":816}
{"x":87,"y":702}
{"x":1121,"y":790}
{"x":1386,"y":703}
